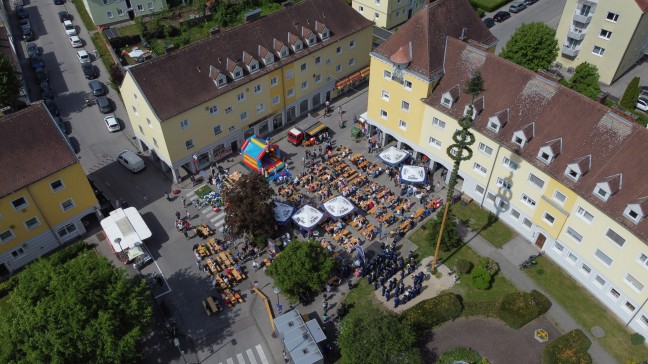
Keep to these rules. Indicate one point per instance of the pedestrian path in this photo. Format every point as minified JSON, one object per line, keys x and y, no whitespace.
{"x":249,"y":356}
{"x":216,"y":219}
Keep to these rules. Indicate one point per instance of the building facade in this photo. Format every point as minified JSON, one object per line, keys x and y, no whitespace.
{"x":388,"y":13}
{"x":197,"y":104}
{"x":106,"y":12}
{"x":610,"y":34}
{"x":557,"y":167}
{"x":45,"y":196}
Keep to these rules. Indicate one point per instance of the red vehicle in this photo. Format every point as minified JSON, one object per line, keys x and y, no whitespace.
{"x":306,"y":137}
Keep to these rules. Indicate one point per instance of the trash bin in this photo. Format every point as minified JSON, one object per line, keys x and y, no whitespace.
{"x":356,"y":133}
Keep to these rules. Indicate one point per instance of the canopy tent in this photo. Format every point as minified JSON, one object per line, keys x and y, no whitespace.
{"x":413,"y":174}
{"x":136,"y":53}
{"x":283,"y":212}
{"x":338,"y":207}
{"x":308,"y":217}
{"x":125,"y":229}
{"x":393,"y":156}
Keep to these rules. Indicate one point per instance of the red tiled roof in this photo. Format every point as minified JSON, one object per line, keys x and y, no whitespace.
{"x":643,"y":5}
{"x":428,"y":29}
{"x":587,"y":128}
{"x":32,"y":148}
{"x":402,"y":55}
{"x":173,"y":83}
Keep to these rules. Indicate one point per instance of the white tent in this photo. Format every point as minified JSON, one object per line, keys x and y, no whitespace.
{"x":125,"y":229}
{"x":338,"y":207}
{"x":283,"y":212}
{"x":412,"y":174}
{"x":307,"y":217}
{"x":393,"y":156}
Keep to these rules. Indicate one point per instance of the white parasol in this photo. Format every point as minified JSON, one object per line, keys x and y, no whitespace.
{"x":338,"y":207}
{"x":283,"y":212}
{"x":393,"y":156}
{"x":412,"y":174}
{"x":308,"y":217}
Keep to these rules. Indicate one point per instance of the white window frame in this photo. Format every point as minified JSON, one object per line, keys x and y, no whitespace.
{"x":435,"y":142}
{"x":501,"y":182}
{"x":241,"y":96}
{"x":528,"y":223}
{"x":585,"y":269}
{"x":616,"y":235}
{"x":438,"y":123}
{"x":480,"y":169}
{"x":531,"y":179}
{"x":548,"y":218}
{"x":614,"y":18}
{"x":559,"y":247}
{"x":385,"y":95}
{"x":289,"y":74}
{"x":558,"y":199}
{"x":229,"y":109}
{"x":290,"y":92}
{"x":528,"y":201}
{"x":217,"y":129}
{"x":303,"y":67}
{"x":18,"y":253}
{"x":598,"y":51}
{"x":339,"y":50}
{"x":189,"y":144}
{"x":62,"y":186}
{"x":351,"y":62}
{"x":407,"y":85}
{"x":258,"y":89}
{"x":260,"y":107}
{"x":508,"y":163}
{"x":634,"y":307}
{"x":580,"y":211}
{"x":405,"y":106}
{"x":605,"y":34}
{"x":21,"y":206}
{"x":603,"y":260}
{"x":213,"y":110}
{"x":304,"y":85}
{"x":402,"y":124}
{"x":338,"y":68}
{"x":480,"y":190}
{"x":318,"y":59}
{"x":275,"y":100}
{"x":72,"y":205}
{"x":274,"y":81}
{"x":384,"y":114}
{"x":8,"y":239}
{"x":244,"y":116}
{"x":574,"y":235}
{"x":387,"y":75}
{"x":37,"y":224}
{"x":569,"y":259}
{"x":485,"y":149}
{"x":631,"y":283}
{"x":642,"y":259}
{"x":598,"y":279}
{"x":185,"y":124}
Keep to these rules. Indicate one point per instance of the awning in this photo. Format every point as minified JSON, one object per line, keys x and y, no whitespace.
{"x":355,"y":77}
{"x":365,"y":71}
{"x":412,"y":174}
{"x":283,"y":212}
{"x":308,"y":217}
{"x":125,"y":229}
{"x":342,"y":83}
{"x":338,"y":207}
{"x":316,"y":129}
{"x":393,"y":156}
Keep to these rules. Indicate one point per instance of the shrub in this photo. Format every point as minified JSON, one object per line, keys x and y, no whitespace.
{"x":567,"y":349}
{"x":429,"y":313}
{"x":630,"y":94}
{"x":637,"y":339}
{"x":480,"y":278}
{"x":519,"y":308}
{"x":116,"y":75}
{"x":489,"y":265}
{"x":541,"y":301}
{"x":459,"y":354}
{"x":463,"y":266}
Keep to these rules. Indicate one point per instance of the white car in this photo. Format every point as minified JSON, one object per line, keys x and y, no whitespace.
{"x":84,"y":57}
{"x":642,"y":104}
{"x":69,"y":28}
{"x":76,"y":41}
{"x":111,"y":123}
{"x":131,"y":161}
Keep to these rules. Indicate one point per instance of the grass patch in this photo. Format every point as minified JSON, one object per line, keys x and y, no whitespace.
{"x":102,"y":49}
{"x":85,"y":17}
{"x":424,"y":247}
{"x":134,"y":29}
{"x":586,"y":309}
{"x":490,"y":228}
{"x":488,"y":5}
{"x":361,"y":296}
{"x":203,"y":191}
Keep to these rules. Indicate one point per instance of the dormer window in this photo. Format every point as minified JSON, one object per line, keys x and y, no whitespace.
{"x":602,"y":191}
{"x":550,"y":151}
{"x":497,"y":121}
{"x":284,"y":52}
{"x":572,"y":173}
{"x":221,"y":81}
{"x":446,"y":100}
{"x":268,"y":59}
{"x":254,"y":66}
{"x":608,"y":187}
{"x":578,"y":168}
{"x":298,"y":46}
{"x":494,"y":124}
{"x":237,"y":73}
{"x":632,"y":213}
{"x":524,"y":135}
{"x":519,"y":141}
{"x":312,"y":40}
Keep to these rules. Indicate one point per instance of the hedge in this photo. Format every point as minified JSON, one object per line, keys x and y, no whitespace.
{"x":459,"y":354}
{"x":489,"y":5}
{"x":437,"y":310}
{"x":519,"y":308}
{"x":541,"y":301}
{"x":570,"y":348}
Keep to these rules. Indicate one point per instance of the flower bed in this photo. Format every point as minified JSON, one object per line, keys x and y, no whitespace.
{"x":203,"y":191}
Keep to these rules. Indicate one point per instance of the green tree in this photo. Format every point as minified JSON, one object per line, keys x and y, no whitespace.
{"x":370,"y":336}
{"x":480,"y":278}
{"x":586,"y":80}
{"x":9,"y":82}
{"x":250,"y":207}
{"x":451,"y":238}
{"x":533,"y":46}
{"x":302,"y":268}
{"x":631,"y":94}
{"x":74,"y":310}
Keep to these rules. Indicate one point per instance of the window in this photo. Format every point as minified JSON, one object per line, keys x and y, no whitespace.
{"x":258,"y":89}
{"x":407,"y":84}
{"x":238,"y":74}
{"x":438,"y":123}
{"x":526,"y":222}
{"x":217,"y":130}
{"x":385,"y":95}
{"x":536,"y":180}
{"x":32,"y":223}
{"x":303,"y":67}
{"x":291,"y":92}
{"x":241,"y":96}
{"x":603,"y":257}
{"x":275,"y":100}
{"x":109,"y":14}
{"x":148,"y":121}
{"x":485,"y":148}
{"x":377,"y":2}
{"x":140,"y":7}
{"x":18,"y":253}
{"x":304,"y":85}
{"x":560,"y":197}
{"x":338,"y":68}
{"x":228,"y":110}
{"x":150,"y":6}
{"x":383,"y":114}
{"x":318,"y":78}
{"x":490,"y":197}
{"x":155,"y":142}
{"x":351,"y":62}
{"x":244,"y":115}
{"x":632,"y":214}
{"x":503,"y":205}
{"x":402,"y":124}
{"x":515,"y":213}
{"x":289,"y":74}
{"x":141,"y":129}
{"x":548,"y":218}
{"x":19,"y":203}
{"x":634,"y":282}
{"x":559,"y":247}
{"x":544,"y":156}
{"x":318,"y":59}
{"x":605,"y":34}
{"x":612,"y":17}
{"x":446,"y":101}
{"x":352,"y":44}
{"x":572,"y":257}
{"x":584,"y":214}
{"x":510,"y":164}
{"x":504,"y":183}
{"x":120,"y":12}
{"x":387,"y":75}
{"x":338,"y":50}
{"x":598,"y":50}
{"x":528,"y":200}
{"x":184,"y":124}
{"x":615,"y":237}
{"x":601,"y":193}
{"x":189,"y":144}
{"x":644,"y":320}
{"x":479,"y":189}
{"x":273,"y":81}
{"x":643,"y":260}
{"x":376,"y":15}
{"x":614,"y":293}
{"x":480,"y":169}
{"x":56,"y":185}
{"x":435,"y":143}
{"x":600,"y":280}
{"x":328,"y":61}
{"x":517,"y":140}
{"x":493,"y":126}
{"x":67,"y":204}
{"x":574,"y":235}
{"x":361,"y":8}
{"x":6,"y":236}
{"x":260,"y":107}
{"x":629,"y":306}
{"x":585,"y":269}
{"x":405,"y":105}
{"x":221,"y":81}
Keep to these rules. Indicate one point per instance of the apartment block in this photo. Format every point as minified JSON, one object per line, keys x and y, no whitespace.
{"x":388,"y":13}
{"x":107,"y":12}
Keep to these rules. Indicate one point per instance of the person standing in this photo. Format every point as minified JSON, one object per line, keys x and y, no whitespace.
{"x":184,"y":201}
{"x":177,"y":215}
{"x":188,"y":214}
{"x":166,"y":194}
{"x":186,"y":234}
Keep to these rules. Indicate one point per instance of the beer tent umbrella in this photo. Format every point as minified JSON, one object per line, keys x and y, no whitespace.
{"x":308,"y":217}
{"x":338,"y":207}
{"x":393,"y":156}
{"x":283,"y":212}
{"x":413,"y":174}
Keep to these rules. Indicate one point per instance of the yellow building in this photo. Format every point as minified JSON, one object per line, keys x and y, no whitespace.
{"x":559,"y":168}
{"x":609,"y":34}
{"x":388,"y":13}
{"x":200,"y":102}
{"x":44,"y":193}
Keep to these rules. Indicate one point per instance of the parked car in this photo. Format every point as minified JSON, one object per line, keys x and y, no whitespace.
{"x":104,"y":105}
{"x":84,"y":57}
{"x":76,"y":41}
{"x":644,"y":90}
{"x":131,"y":161}
{"x":517,"y":7}
{"x":63,"y":16}
{"x":46,"y":90}
{"x":32,"y":50}
{"x":530,"y":2}
{"x":21,"y":13}
{"x":36,"y":62}
{"x":97,"y":88}
{"x":61,"y":124}
{"x":501,"y":15}
{"x":111,"y":123}
{"x":642,"y":104}
{"x":41,"y":74}
{"x":52,"y":107}
{"x":27,"y":33}
{"x":59,"y":2}
{"x":89,"y":71}
{"x":489,"y":22}
{"x":69,"y":28}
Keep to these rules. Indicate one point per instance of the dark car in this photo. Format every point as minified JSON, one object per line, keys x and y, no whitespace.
{"x":89,"y":71}
{"x":97,"y":88}
{"x":51,"y":106}
{"x":41,"y":74}
{"x":46,"y":90}
{"x":59,"y":2}
{"x":63,"y":16}
{"x":489,"y":22}
{"x":21,"y":13}
{"x":36,"y":62}
{"x":501,"y":16}
{"x":530,"y":2}
{"x":32,"y":50}
{"x":104,"y":105}
{"x":61,"y":124}
{"x":644,"y":90}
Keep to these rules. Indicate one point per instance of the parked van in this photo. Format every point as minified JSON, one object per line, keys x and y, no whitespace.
{"x":131,"y":161}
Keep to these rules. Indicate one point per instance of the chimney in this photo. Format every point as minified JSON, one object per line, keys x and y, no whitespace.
{"x":602,"y":97}
{"x":464,"y":30}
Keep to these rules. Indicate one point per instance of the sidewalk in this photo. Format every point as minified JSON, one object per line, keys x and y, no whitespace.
{"x":509,"y":257}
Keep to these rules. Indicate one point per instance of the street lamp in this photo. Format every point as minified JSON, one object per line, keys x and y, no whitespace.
{"x":277,"y":290}
{"x":176,"y":342}
{"x":118,"y":242}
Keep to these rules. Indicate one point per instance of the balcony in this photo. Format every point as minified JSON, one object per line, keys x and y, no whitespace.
{"x":576,"y":33}
{"x":585,"y":19}
{"x":570,"y":51}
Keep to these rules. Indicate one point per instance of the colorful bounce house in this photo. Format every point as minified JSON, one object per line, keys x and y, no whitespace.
{"x":262,"y":157}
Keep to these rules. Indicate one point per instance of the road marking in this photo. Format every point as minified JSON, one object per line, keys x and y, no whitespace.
{"x":262,"y":355}
{"x":230,"y":361}
{"x":240,"y":358}
{"x":250,"y":355}
{"x":207,"y":210}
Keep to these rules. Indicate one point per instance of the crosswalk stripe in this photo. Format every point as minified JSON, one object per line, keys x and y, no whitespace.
{"x":219,"y":223}
{"x":230,"y":361}
{"x":262,"y":355}
{"x":250,"y":355}
{"x":207,"y":210}
{"x":240,"y":358}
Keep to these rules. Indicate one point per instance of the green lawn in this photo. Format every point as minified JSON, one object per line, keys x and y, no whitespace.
{"x":4,"y":302}
{"x":134,"y":29}
{"x":85,"y":17}
{"x":586,"y":310}
{"x":425,"y":248}
{"x":488,"y":5}
{"x":495,"y":232}
{"x":361,"y":296}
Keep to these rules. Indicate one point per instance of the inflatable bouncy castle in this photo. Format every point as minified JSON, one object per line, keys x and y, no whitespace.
{"x":262,"y":157}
